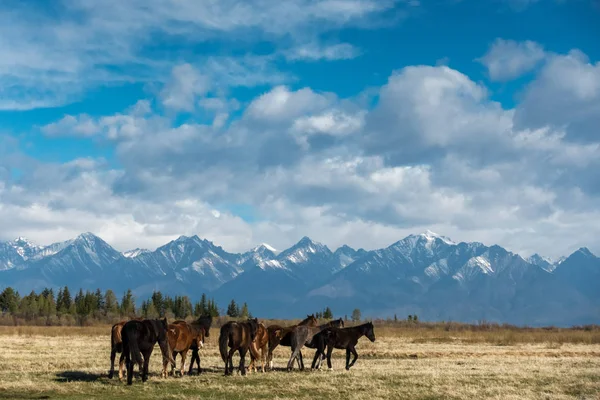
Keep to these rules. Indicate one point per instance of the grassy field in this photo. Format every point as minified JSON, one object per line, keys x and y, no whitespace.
{"x":404,"y":362}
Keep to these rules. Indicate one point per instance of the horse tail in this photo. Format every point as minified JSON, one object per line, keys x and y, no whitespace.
{"x":223,"y":341}
{"x":134,"y":350}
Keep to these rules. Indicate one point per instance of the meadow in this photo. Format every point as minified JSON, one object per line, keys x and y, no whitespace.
{"x":412,"y":361}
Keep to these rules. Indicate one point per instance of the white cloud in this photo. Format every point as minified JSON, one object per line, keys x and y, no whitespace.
{"x":434,"y":152}
{"x":508,"y":59}
{"x":48,"y":61}
{"x":281,"y":103}
{"x":316,"y":52}
{"x":566,"y":95}
{"x":185,"y":85}
{"x":83,"y":125}
{"x":332,"y":122}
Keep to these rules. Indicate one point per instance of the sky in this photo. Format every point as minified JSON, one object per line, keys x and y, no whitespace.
{"x":352,"y":122}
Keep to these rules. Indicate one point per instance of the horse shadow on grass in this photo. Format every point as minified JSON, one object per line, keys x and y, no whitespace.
{"x":78,"y":376}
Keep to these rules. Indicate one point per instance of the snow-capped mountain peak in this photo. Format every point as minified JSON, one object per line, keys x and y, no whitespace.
{"x":543,"y":262}
{"x":431,"y":236}
{"x":135,"y":252}
{"x":264,"y":246}
{"x":25,"y":248}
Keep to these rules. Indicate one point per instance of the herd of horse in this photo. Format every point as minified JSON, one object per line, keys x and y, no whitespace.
{"x":135,"y":340}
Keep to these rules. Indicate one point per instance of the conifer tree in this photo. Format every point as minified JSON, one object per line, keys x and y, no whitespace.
{"x":232,"y":309}
{"x":244,"y":313}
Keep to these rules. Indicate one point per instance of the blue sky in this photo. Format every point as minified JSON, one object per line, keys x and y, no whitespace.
{"x":263,"y":121}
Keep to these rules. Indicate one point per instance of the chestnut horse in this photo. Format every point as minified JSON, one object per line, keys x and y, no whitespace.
{"x":182,"y":336}
{"x":116,"y":346}
{"x":139,"y":338}
{"x":279,"y":335}
{"x":259,"y":344}
{"x":238,"y":336}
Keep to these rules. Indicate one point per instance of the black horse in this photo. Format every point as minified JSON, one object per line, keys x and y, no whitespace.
{"x":345,"y":338}
{"x":205,"y":322}
{"x":139,"y":338}
{"x":238,"y":336}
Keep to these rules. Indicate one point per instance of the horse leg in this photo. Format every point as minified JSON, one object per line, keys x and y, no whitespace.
{"x":347,"y":358}
{"x":164,"y":372}
{"x":121,"y":366}
{"x":329,"y":351}
{"x":183,"y":357}
{"x":294,"y":356}
{"x":229,"y":364}
{"x":194,"y":355}
{"x":355,"y":354}
{"x":317,"y":354}
{"x":270,"y":359}
{"x":198,"y":362}
{"x":174,"y":354}
{"x":113,"y":353}
{"x":263,"y":350}
{"x":146,"y":362}
{"x":242,"y":368}
{"x":300,"y":361}
{"x":129,"y":367}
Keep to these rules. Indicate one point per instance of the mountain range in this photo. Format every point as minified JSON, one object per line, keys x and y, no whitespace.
{"x":425,"y":274}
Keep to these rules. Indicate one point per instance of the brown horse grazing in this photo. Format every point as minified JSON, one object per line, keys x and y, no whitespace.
{"x":259,"y":344}
{"x":238,"y":336}
{"x":204,"y":321}
{"x":279,"y":335}
{"x":181,"y":337}
{"x":139,"y":338}
{"x":346,"y":338}
{"x":116,"y":346}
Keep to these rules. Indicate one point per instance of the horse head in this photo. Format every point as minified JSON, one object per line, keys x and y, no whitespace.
{"x":205,"y":321}
{"x":253,"y":327}
{"x":312,"y":320}
{"x":370,"y":332}
{"x":200,"y":338}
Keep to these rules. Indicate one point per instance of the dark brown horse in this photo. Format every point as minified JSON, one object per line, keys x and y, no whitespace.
{"x":336,"y":323}
{"x":116,"y":346}
{"x":345,"y":338}
{"x":237,"y":336}
{"x":299,"y":337}
{"x":139,"y":338}
{"x":182,"y":336}
{"x":279,"y":335}
{"x":205,"y":321}
{"x":259,"y":348}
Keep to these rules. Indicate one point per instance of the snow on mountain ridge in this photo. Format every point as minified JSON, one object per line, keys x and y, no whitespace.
{"x":134,"y":252}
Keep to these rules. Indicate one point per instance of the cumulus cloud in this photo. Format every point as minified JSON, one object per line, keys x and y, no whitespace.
{"x":567,"y":95}
{"x":434,"y":151}
{"x":52,"y":61}
{"x":316,"y":52}
{"x":508,"y":59}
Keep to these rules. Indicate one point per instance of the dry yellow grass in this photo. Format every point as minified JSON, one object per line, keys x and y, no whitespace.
{"x":40,"y":362}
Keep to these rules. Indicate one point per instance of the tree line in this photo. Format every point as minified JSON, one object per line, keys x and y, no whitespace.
{"x":89,"y":306}
{"x":48,"y":308}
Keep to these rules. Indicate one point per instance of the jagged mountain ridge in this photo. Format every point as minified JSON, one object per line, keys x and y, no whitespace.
{"x":426,"y":274}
